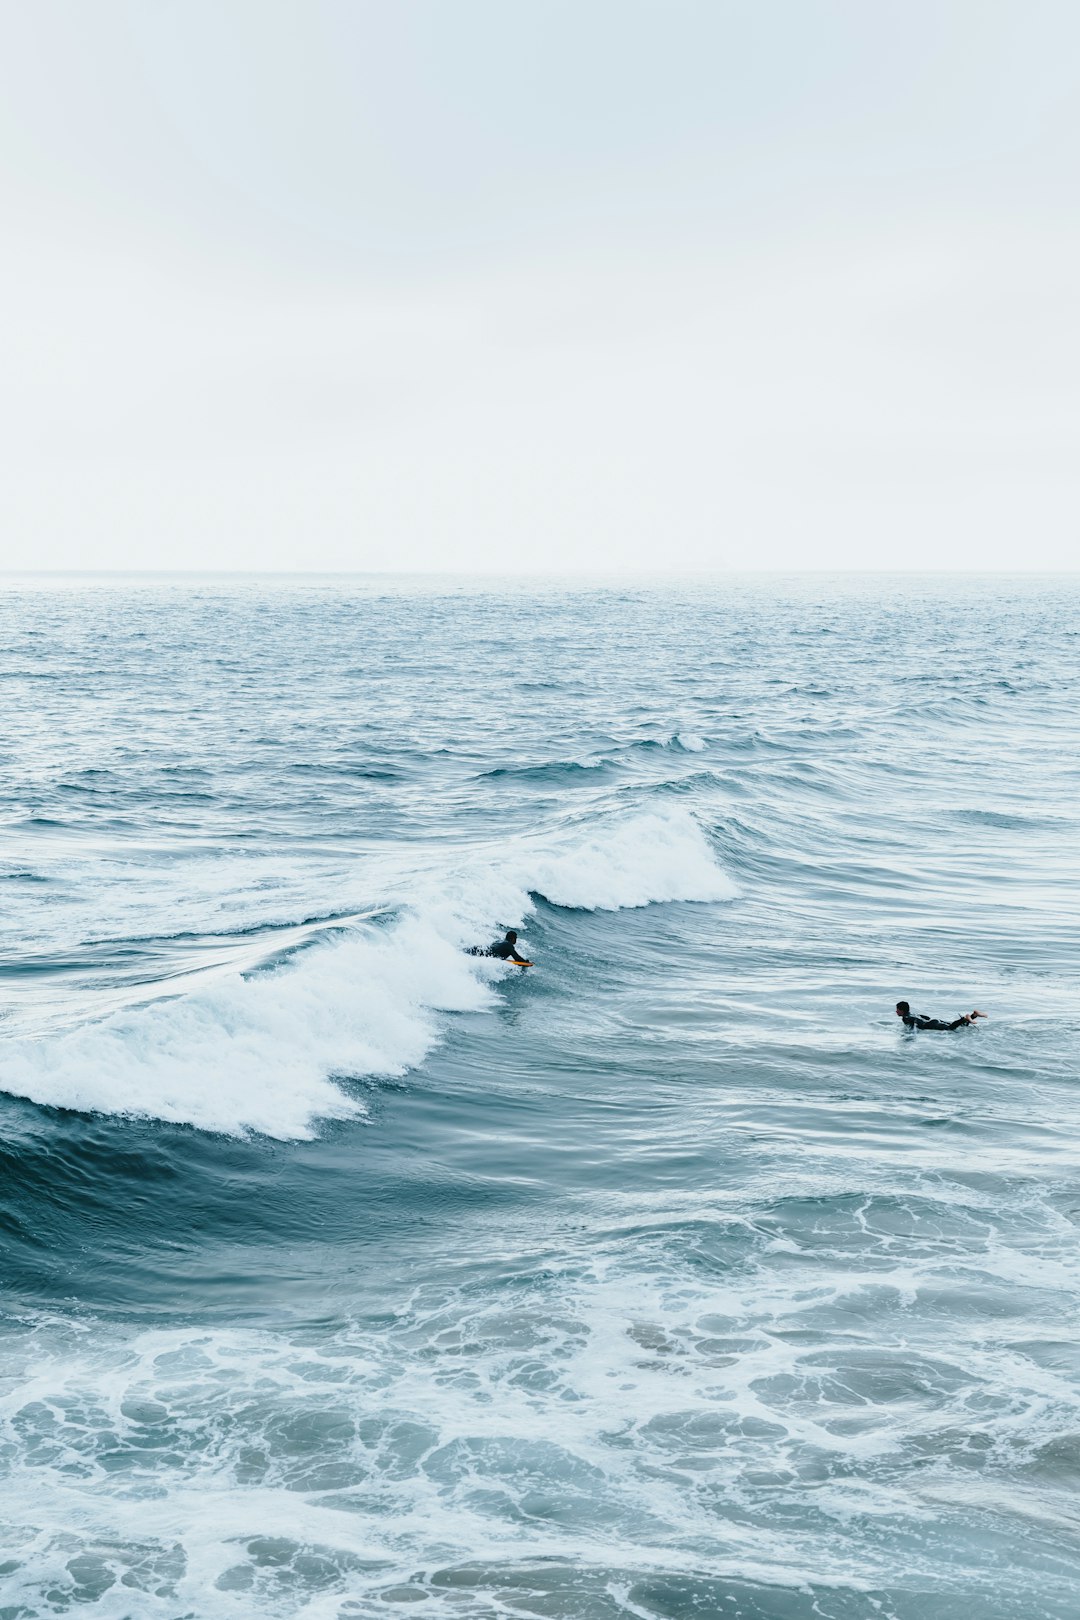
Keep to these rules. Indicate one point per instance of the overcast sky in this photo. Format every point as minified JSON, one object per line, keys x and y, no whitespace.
{"x":539,"y":284}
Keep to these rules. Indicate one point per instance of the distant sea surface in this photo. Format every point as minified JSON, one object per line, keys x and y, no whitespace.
{"x":344,"y":1274}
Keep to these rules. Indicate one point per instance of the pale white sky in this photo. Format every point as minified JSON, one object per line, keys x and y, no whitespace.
{"x":516,"y":285}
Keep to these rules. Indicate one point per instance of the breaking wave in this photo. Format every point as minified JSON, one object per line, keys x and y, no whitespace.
{"x":272,"y":1051}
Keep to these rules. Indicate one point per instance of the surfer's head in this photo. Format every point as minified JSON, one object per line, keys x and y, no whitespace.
{"x":902,"y":1009}
{"x":511,"y":936}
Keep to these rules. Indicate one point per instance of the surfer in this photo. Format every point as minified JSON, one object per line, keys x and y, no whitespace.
{"x":505,"y":949}
{"x":920,"y":1020}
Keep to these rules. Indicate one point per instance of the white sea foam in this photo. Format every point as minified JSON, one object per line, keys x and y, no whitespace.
{"x":201,"y":1468}
{"x":614,"y":865}
{"x":259,"y":1053}
{"x":651,"y":857}
{"x":269,"y":1052}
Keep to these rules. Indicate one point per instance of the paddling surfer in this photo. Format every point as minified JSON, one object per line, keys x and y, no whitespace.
{"x":920,"y":1020}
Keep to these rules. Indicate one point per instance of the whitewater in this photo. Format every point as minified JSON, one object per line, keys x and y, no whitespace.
{"x":345,"y":1273}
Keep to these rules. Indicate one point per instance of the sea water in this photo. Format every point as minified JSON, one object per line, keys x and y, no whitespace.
{"x":348,"y":1275}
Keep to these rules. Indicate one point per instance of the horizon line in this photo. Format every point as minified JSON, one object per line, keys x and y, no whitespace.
{"x":488,"y":573}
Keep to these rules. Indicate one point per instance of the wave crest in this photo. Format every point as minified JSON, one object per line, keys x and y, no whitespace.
{"x":639,"y":862}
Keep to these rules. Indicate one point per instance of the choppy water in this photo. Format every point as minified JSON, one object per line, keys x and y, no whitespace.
{"x":345,"y":1275}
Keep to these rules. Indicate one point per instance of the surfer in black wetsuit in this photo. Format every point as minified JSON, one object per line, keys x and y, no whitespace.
{"x":920,"y":1020}
{"x":506,"y":949}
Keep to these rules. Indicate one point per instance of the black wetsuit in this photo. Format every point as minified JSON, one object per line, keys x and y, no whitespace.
{"x":920,"y":1021}
{"x":502,"y":948}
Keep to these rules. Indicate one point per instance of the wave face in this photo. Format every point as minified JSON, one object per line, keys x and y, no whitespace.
{"x":344,"y":1271}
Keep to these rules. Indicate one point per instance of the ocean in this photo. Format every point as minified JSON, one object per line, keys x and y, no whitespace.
{"x":347,"y":1275}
